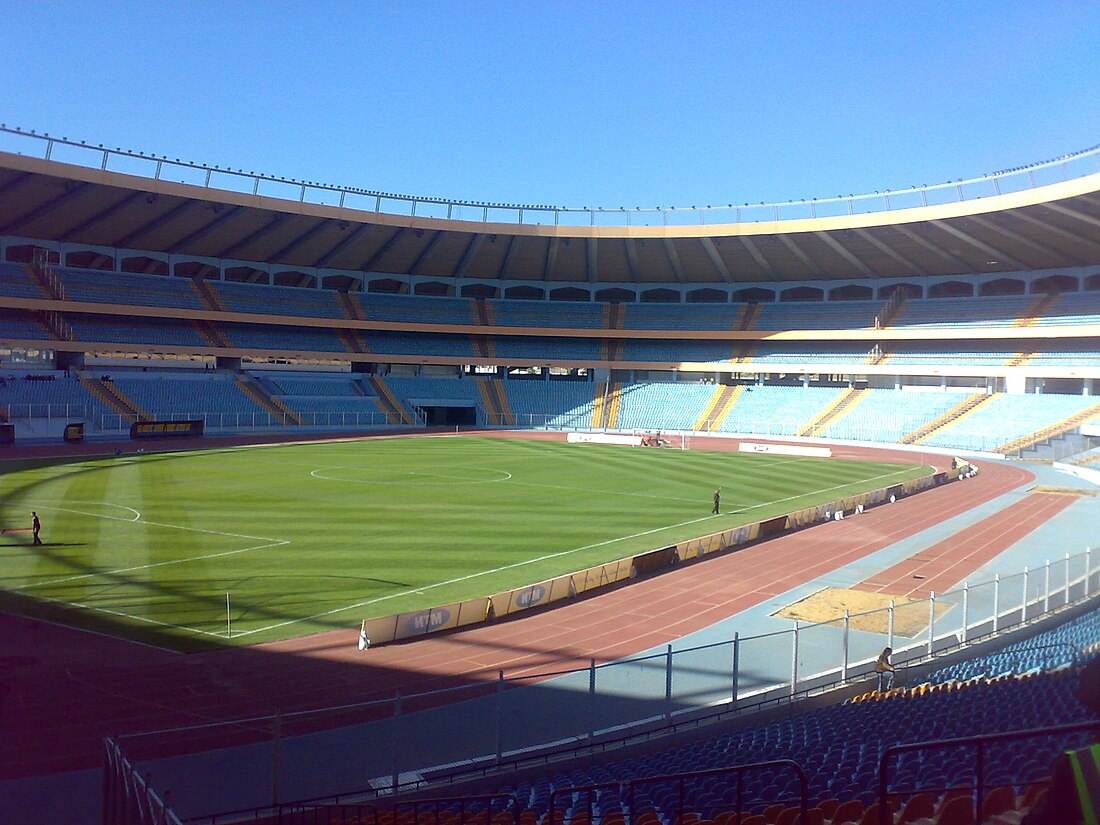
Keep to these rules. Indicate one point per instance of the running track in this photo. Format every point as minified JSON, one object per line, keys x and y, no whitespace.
{"x":71,"y":688}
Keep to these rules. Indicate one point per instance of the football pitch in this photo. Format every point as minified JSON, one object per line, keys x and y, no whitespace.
{"x":299,"y":539}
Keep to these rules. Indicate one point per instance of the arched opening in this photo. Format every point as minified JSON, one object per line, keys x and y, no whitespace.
{"x":802,"y":293}
{"x":569,"y":293}
{"x":478,"y":291}
{"x":246,"y":275}
{"x":615,"y":295}
{"x":706,"y":296}
{"x":292,"y":277}
{"x":907,"y":291}
{"x":386,"y":286}
{"x":1003,"y":286}
{"x":754,"y":295}
{"x":1055,"y":284}
{"x":196,"y":269}
{"x":342,"y":283}
{"x":24,"y":253}
{"x":660,"y":296}
{"x":851,"y":292}
{"x":433,"y":288}
{"x":951,"y":289}
{"x":143,"y":265}
{"x":90,"y":259}
{"x":525,"y":293}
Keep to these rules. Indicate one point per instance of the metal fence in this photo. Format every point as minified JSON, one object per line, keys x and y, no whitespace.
{"x":113,"y":423}
{"x":161,"y":167}
{"x":392,"y":744}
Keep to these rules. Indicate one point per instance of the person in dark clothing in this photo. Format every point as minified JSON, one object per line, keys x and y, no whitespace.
{"x":717,"y":500}
{"x":1075,"y":775}
{"x":36,"y":526}
{"x":885,"y":670}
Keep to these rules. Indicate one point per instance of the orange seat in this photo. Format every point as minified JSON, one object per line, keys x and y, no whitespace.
{"x":850,"y":811}
{"x":828,"y":807}
{"x":772,"y":812}
{"x":957,"y":811}
{"x":758,"y":819}
{"x":921,"y":806}
{"x":870,"y":815}
{"x":1032,"y":794}
{"x":726,"y":818}
{"x":999,"y":800}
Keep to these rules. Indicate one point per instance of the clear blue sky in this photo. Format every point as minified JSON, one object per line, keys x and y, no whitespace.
{"x":568,"y":103}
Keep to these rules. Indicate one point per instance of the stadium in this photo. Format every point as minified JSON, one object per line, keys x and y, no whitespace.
{"x":353,"y":506}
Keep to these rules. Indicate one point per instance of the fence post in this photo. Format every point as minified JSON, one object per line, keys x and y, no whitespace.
{"x":996,"y":599}
{"x":1088,"y":568}
{"x":931,"y":622}
{"x":500,"y":715}
{"x":890,"y":625}
{"x":1023,"y":606}
{"x":276,"y":734}
{"x":794,"y":660}
{"x":396,"y":735}
{"x":668,"y":681}
{"x":591,"y":698}
{"x":844,"y":663}
{"x":966,"y":610}
{"x":736,"y":664}
{"x":1046,"y":588}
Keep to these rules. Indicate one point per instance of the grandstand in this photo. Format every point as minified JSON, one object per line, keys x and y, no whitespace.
{"x":126,"y":298}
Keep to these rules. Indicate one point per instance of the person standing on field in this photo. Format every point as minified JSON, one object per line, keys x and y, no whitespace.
{"x":36,"y":526}
{"x":717,"y":500}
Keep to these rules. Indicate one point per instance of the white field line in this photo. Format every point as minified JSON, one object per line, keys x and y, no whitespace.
{"x":144,"y":619}
{"x":269,"y":542}
{"x":526,"y":562}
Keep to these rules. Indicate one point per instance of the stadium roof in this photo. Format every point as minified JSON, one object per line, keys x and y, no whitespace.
{"x":979,"y":228}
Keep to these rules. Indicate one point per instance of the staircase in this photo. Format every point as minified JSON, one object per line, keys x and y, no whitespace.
{"x":877,"y":355}
{"x":207,"y":295}
{"x":55,"y":325}
{"x":613,"y":315}
{"x":116,"y":399}
{"x":252,"y":388}
{"x":613,"y":404}
{"x":1036,"y":309}
{"x":841,"y":406}
{"x":46,"y":280}
{"x":482,"y":314}
{"x":960,"y":410}
{"x":718,"y":408}
{"x":395,"y":411}
{"x":743,"y":351}
{"x":1053,"y":431}
{"x":351,"y":339}
{"x":598,"y":404}
{"x":891,"y":309}
{"x":495,"y":401}
{"x":211,"y":333}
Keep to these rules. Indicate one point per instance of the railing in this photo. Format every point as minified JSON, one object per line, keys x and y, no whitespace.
{"x":161,"y":167}
{"x":111,"y":423}
{"x":363,"y":814}
{"x":979,"y":744}
{"x":48,"y":411}
{"x":518,"y":721}
{"x":128,"y":798}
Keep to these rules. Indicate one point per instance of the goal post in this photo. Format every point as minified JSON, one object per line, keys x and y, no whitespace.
{"x":659,"y":438}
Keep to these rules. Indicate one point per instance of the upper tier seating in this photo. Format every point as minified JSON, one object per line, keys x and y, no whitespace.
{"x":121,"y":288}
{"x":16,"y":282}
{"x":308,"y":385}
{"x":277,"y":300}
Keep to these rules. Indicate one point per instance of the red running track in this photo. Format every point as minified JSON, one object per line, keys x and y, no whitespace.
{"x":948,"y":563}
{"x":70,"y":688}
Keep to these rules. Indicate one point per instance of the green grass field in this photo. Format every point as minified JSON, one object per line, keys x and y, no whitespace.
{"x":307,"y":538}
